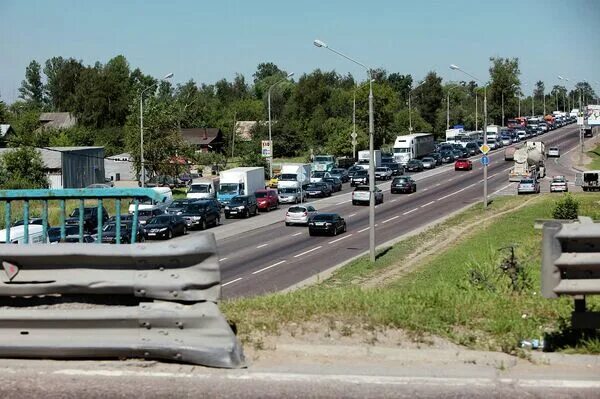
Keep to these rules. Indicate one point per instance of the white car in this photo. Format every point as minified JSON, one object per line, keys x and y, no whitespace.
{"x":383,"y":173}
{"x":559,"y":184}
{"x":317,"y":177}
{"x":300,"y":214}
{"x":554,"y":152}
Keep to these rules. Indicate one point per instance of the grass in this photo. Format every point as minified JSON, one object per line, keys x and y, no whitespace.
{"x":460,"y":294}
{"x":595,"y":156}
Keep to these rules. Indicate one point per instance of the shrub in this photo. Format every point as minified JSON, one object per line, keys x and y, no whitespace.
{"x":566,"y":208}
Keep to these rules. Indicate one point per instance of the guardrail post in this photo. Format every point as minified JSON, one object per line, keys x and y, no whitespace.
{"x":45,"y":220}
{"x":62,"y":219}
{"x":81,"y":210}
{"x":7,"y":221}
{"x":118,"y":220}
{"x":134,"y":222}
{"x":26,"y":222}
{"x":99,"y":223}
{"x":550,"y":251}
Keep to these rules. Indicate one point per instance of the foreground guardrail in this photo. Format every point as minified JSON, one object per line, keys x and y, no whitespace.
{"x":155,"y":301}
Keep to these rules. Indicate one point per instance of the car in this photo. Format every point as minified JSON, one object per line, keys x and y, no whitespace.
{"x":300,"y":214}
{"x":429,"y":162}
{"x":273,"y":181}
{"x":458,"y":154}
{"x":146,"y":214}
{"x":90,"y":218}
{"x":353,"y":169}
{"x":559,"y":184}
{"x":461,"y":149}
{"x":361,"y":194}
{"x":321,"y":189}
{"x":328,"y":223}
{"x":124,"y":217}
{"x":336,"y":183}
{"x":318,"y":176}
{"x":74,"y":238}
{"x":528,"y":186}
{"x":360,"y":177}
{"x":383,"y":173}
{"x":472,"y":147}
{"x":38,"y":221}
{"x":165,"y":226}
{"x":506,"y":140}
{"x":463,"y":164}
{"x":54,"y":232}
{"x":554,"y":152}
{"x":341,"y":174}
{"x":438,"y":158}
{"x":109,"y":233}
{"x":241,"y":205}
{"x":267,"y":199}
{"x":100,"y":185}
{"x":447,"y":156}
{"x":202,"y":213}
{"x":176,"y":207}
{"x":522,"y":134}
{"x":291,"y":195}
{"x":414,"y":165}
{"x":396,"y":168}
{"x":403,"y":184}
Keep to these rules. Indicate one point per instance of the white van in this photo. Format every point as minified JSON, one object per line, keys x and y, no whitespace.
{"x":167,"y":198}
{"x":17,"y":235}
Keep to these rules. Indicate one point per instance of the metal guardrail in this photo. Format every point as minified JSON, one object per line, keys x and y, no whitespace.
{"x":154,"y":301}
{"x":43,"y":195}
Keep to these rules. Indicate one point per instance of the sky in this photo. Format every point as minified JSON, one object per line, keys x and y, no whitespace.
{"x":210,"y":40}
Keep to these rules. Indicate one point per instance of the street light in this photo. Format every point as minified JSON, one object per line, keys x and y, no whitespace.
{"x":485,"y":171}
{"x":167,"y":76}
{"x":503,"y":90}
{"x":289,"y":75}
{"x":319,"y":43}
{"x":456,"y":68}
{"x":410,"y":128}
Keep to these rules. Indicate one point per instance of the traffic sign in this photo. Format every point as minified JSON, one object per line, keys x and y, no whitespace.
{"x":484,"y":148}
{"x":266,"y":149}
{"x":353,"y":135}
{"x":485,"y":160}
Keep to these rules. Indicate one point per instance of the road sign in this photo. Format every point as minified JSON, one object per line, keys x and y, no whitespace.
{"x":266,"y":149}
{"x":485,"y":160}
{"x":484,"y":148}
{"x":353,"y":135}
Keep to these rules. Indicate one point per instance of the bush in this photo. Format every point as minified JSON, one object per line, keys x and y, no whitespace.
{"x":566,"y":208}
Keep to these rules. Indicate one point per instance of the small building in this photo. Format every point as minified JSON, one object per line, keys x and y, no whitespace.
{"x":57,"y":120}
{"x":5,"y":132}
{"x":120,"y":169}
{"x":204,"y":139}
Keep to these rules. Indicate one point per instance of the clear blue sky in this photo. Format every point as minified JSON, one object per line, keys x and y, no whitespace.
{"x":209,"y":40}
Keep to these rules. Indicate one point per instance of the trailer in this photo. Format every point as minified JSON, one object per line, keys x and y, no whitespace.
{"x":365,"y":156}
{"x":413,"y":146}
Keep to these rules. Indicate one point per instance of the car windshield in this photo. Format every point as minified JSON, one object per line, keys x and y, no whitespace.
{"x":428,"y":159}
{"x":355,"y":168}
{"x":337,"y":171}
{"x":261,"y":194}
{"x":288,"y":177}
{"x":319,"y":174}
{"x":381,"y":169}
{"x":361,"y":173}
{"x":177,"y":204}
{"x":191,"y":208}
{"x":526,"y":181}
{"x":86,"y":211}
{"x":314,"y":186}
{"x":237,"y":201}
{"x":558,"y":179}
{"x":553,"y":149}
{"x":199,"y":188}
{"x":159,"y":220}
{"x":288,"y":190}
{"x":228,"y":188}
{"x":323,"y":217}
{"x":401,"y":180}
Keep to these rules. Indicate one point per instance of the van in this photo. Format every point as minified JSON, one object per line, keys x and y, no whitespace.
{"x":17,"y":235}
{"x":167,"y":198}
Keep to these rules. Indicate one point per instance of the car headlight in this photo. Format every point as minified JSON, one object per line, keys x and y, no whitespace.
{"x":163,"y":229}
{"x":196,"y":217}
{"x":240,"y":208}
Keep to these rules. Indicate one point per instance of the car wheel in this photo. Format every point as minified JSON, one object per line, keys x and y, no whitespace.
{"x":227,"y":216}
{"x":344,"y":228}
{"x":335,"y":231}
{"x":246,"y":213}
{"x":353,"y":202}
{"x":203,"y":225}
{"x":287,"y":223}
{"x":169,"y":234}
{"x":185,"y":231}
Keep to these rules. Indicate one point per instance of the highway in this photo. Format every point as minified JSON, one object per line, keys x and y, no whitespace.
{"x":260,"y":254}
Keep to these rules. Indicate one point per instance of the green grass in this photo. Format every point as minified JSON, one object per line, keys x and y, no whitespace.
{"x":460,"y":294}
{"x":595,"y":155}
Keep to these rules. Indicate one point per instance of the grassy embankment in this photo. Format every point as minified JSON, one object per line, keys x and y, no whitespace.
{"x":595,"y":156}
{"x":458,"y":292}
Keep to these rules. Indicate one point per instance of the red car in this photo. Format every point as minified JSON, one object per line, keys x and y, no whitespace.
{"x":463,"y":164}
{"x":267,"y":199}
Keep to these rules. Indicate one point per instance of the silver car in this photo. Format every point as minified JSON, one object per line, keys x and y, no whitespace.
{"x":428,"y":162}
{"x":291,"y":195}
{"x":299,"y":214}
{"x":528,"y":186}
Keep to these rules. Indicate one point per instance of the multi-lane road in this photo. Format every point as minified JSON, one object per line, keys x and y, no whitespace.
{"x":261,"y":254}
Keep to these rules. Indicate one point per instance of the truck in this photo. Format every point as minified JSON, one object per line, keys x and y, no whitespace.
{"x":364,"y":157}
{"x":294,"y":175}
{"x":203,"y":187}
{"x":509,"y":154}
{"x":240,"y":181}
{"x":323,"y":163}
{"x":588,"y":180}
{"x":529,"y":162}
{"x":413,"y":146}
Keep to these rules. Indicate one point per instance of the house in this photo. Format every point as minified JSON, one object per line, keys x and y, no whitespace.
{"x":121,"y":170}
{"x":71,"y":167}
{"x":5,"y":132}
{"x":57,"y":120}
{"x":204,"y":139}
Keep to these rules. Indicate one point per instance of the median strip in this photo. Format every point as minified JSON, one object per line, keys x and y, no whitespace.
{"x":307,"y":252}
{"x":268,"y":267}
{"x":339,"y":239}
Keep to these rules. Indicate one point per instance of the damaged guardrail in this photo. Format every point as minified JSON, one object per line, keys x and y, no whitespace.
{"x":155,"y":301}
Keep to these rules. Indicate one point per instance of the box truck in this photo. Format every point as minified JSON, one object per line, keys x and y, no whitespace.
{"x":413,"y":146}
{"x":294,"y":175}
{"x":364,"y":156}
{"x":240,"y":181}
{"x":203,"y":187}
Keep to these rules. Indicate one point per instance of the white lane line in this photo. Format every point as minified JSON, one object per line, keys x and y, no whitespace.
{"x":307,"y":252}
{"x":231,"y":282}
{"x":451,"y":179}
{"x":427,"y":204}
{"x":365,"y":229}
{"x":353,"y":214}
{"x":261,"y":246}
{"x":495,"y":174}
{"x":439,"y":184}
{"x":343,"y":202}
{"x":297,"y":234}
{"x":503,"y":188}
{"x":390,"y":219}
{"x":454,"y":193}
{"x":339,"y":239}
{"x":425,"y":189}
{"x":222,"y":259}
{"x":411,"y":211}
{"x":268,"y":267}
{"x":394,"y":200}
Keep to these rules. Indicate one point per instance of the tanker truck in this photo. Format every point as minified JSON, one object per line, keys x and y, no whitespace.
{"x":529,"y":162}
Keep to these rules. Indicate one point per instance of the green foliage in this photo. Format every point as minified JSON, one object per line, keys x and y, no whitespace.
{"x":566,"y":208}
{"x":62,"y":77}
{"x":504,"y":82}
{"x":22,"y":168}
{"x":428,"y":98}
{"x":32,"y":88}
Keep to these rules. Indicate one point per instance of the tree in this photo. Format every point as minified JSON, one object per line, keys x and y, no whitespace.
{"x":32,"y":88}
{"x":428,"y":98}
{"x":266,"y":69}
{"x":504,"y":83}
{"x":585,"y":91}
{"x":539,"y":90}
{"x":62,"y":79}
{"x":401,"y":84}
{"x":22,"y":168}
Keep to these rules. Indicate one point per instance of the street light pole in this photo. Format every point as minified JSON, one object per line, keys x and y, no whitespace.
{"x":319,"y":43}
{"x":502,"y":108}
{"x":143,"y":168}
{"x":269,"y":106}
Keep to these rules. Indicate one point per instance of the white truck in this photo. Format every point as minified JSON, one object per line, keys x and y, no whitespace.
{"x":588,"y":180}
{"x":240,"y":181}
{"x":413,"y":146}
{"x":294,"y":175}
{"x":204,"y":187}
{"x":529,"y":162}
{"x":364,"y":157}
{"x":323,"y":163}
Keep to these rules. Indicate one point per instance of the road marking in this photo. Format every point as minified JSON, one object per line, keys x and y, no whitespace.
{"x":231,"y":282}
{"x":503,"y":188}
{"x":451,"y":179}
{"x":439,"y":184}
{"x":354,"y":214}
{"x":222,"y":259}
{"x":495,"y":174}
{"x":390,"y":219}
{"x":339,"y":239}
{"x":307,"y":252}
{"x":411,"y":211}
{"x":297,"y":234}
{"x":425,"y":189}
{"x":394,"y":200}
{"x":268,"y":267}
{"x":365,"y":229}
{"x":343,"y":202}
{"x":450,"y":195}
{"x":427,"y":204}
{"x":262,"y":245}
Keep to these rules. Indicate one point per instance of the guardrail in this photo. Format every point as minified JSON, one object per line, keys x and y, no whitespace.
{"x":118,"y":194}
{"x":155,"y":301}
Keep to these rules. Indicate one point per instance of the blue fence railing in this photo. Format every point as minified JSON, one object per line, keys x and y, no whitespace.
{"x":8,"y":198}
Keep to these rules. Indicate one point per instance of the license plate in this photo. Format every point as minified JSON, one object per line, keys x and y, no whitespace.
{"x":233,"y":212}
{"x":320,"y":224}
{"x":151,"y":234}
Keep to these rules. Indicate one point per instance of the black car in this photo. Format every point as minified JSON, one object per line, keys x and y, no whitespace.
{"x":74,"y":238}
{"x":146,"y":214}
{"x":353,"y":169}
{"x":125,"y":217}
{"x":472,"y":147}
{"x":321,"y":189}
{"x":360,"y":177}
{"x":397,"y":169}
{"x":328,"y":223}
{"x":463,"y":151}
{"x":414,"y":165}
{"x":448,"y":156}
{"x":404,"y":184}
{"x":109,"y":233}
{"x":242,"y":206}
{"x":54,"y":232}
{"x":177,"y":206}
{"x":90,"y":218}
{"x":341,"y":174}
{"x":458,"y":154}
{"x":336,"y":183}
{"x":437,"y":156}
{"x":202,"y":213}
{"x":165,"y":226}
